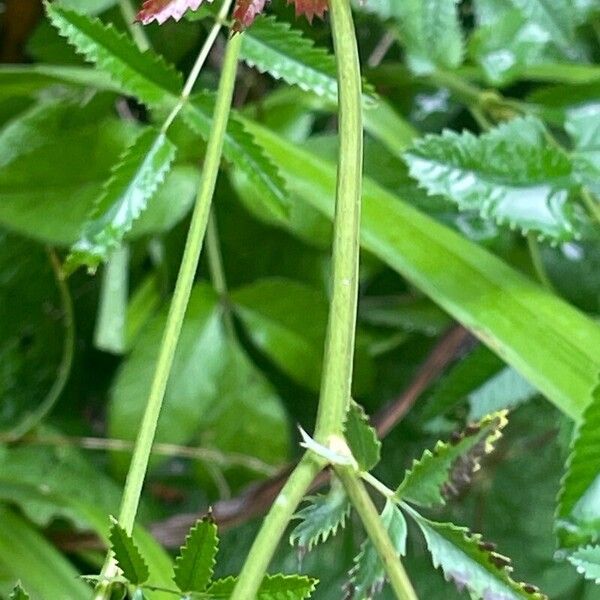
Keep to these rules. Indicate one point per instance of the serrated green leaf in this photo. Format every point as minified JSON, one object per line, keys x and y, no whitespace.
{"x":579,"y":497}
{"x":368,"y":574}
{"x":273,"y":587}
{"x":587,"y":562}
{"x":362,"y":437}
{"x":276,"y":48}
{"x":511,"y":174}
{"x":127,"y":555}
{"x":431,"y":33}
{"x":240,"y":149}
{"x":472,"y":564}
{"x":194,"y":566}
{"x":321,"y":518}
{"x":18,"y":593}
{"x":143,"y":74}
{"x":450,"y":465}
{"x":135,"y":179}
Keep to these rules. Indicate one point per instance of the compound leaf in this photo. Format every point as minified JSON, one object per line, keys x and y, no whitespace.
{"x":194,"y":566}
{"x":321,"y":518}
{"x":127,"y":555}
{"x":472,"y":564}
{"x":161,"y":10}
{"x":142,"y":74}
{"x":587,"y":562}
{"x":579,"y":497}
{"x":368,"y":574}
{"x":240,"y":149}
{"x":450,"y":465}
{"x":135,"y":179}
{"x":362,"y":437}
{"x":511,"y":174}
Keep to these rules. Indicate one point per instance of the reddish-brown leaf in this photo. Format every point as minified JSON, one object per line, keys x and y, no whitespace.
{"x":310,"y":8}
{"x":245,"y":12}
{"x":161,"y":10}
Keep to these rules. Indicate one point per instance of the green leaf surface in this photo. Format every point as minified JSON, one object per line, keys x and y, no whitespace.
{"x":321,"y":518}
{"x":579,"y":498}
{"x":362,"y":437}
{"x":53,"y":576}
{"x":194,"y":566}
{"x":286,"y":320}
{"x":240,"y":149}
{"x":587,"y":562}
{"x":212,"y":383}
{"x":368,"y":574}
{"x":472,"y":564}
{"x":127,"y":555}
{"x":18,"y":593}
{"x":511,"y":175}
{"x":273,"y":587}
{"x":583,"y":125}
{"x":432,"y":34}
{"x":143,"y":74}
{"x":134,"y":181}
{"x":513,"y":316}
{"x":445,"y":470}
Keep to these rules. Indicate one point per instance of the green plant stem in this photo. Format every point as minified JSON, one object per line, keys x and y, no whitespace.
{"x":591,"y":203}
{"x":537,"y":261}
{"x":339,"y":345}
{"x":377,"y":533}
{"x":137,"y":31}
{"x":183,"y":287}
{"x":217,"y":271}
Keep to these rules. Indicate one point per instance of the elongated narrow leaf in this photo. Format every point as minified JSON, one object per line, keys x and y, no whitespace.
{"x":443,"y":471}
{"x":431,"y":32}
{"x":135,"y":179}
{"x":511,"y":175}
{"x":320,"y":518}
{"x":362,"y":437}
{"x":273,"y":47}
{"x":240,"y":149}
{"x":558,"y":356}
{"x":368,"y":574}
{"x":127,"y":555}
{"x":273,"y":587}
{"x":472,"y":564}
{"x":194,"y":566}
{"x":51,"y":576}
{"x":18,"y":593}
{"x":579,"y":497}
{"x":142,"y":74}
{"x":161,"y":10}
{"x":587,"y":562}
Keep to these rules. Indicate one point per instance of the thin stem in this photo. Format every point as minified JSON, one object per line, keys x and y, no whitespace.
{"x":368,"y":514}
{"x":202,"y":56}
{"x":217,"y":271}
{"x":183,"y":287}
{"x":339,"y":345}
{"x":537,"y":261}
{"x":274,"y":525}
{"x":383,"y":489}
{"x":341,"y":328}
{"x":33,"y":419}
{"x":137,"y":31}
{"x":591,"y":203}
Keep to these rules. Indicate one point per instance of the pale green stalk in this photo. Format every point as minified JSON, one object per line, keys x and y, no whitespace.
{"x":362,"y":503}
{"x":339,"y":345}
{"x":183,"y":287}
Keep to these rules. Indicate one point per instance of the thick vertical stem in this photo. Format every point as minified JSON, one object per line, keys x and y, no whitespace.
{"x":339,"y":345}
{"x":183,"y":287}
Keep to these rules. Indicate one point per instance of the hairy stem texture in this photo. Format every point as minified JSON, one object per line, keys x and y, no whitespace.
{"x":339,"y":345}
